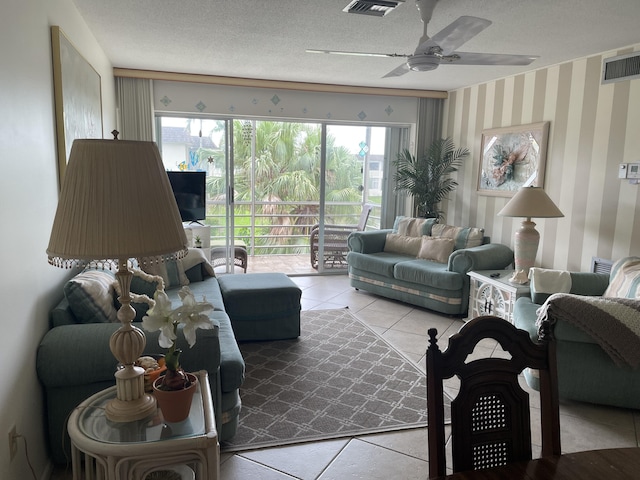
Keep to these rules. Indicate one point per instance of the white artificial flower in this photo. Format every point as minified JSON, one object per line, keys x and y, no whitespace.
{"x":191,"y":314}
{"x":160,"y":317}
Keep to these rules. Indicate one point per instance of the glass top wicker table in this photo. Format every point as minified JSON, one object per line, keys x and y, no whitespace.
{"x":132,"y":450}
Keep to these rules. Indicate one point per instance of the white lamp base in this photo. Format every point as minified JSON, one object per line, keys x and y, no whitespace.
{"x":127,"y":344}
{"x":525,"y":247}
{"x":130,"y":410}
{"x":519,"y":276}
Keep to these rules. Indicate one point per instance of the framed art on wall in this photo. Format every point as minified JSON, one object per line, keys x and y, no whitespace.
{"x":78,"y":97}
{"x":512,"y":157}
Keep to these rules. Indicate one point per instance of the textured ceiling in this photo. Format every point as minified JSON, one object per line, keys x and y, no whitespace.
{"x":266,"y":39}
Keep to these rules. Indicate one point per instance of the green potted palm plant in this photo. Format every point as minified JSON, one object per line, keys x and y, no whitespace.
{"x":427,"y":178}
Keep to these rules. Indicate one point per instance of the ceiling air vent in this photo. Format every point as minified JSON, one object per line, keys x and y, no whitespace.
{"x":624,"y":67}
{"x":377,"y":8}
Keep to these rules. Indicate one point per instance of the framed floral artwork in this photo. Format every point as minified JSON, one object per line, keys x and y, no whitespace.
{"x":78,"y":97}
{"x":511,"y":158}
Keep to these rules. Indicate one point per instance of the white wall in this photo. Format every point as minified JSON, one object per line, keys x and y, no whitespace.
{"x":593,"y":128}
{"x":28,"y":198}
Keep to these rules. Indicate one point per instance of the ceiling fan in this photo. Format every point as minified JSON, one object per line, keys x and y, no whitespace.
{"x":441,"y":48}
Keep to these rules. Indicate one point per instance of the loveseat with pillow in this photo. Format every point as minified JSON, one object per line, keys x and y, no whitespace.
{"x":74,"y":360}
{"x":422,"y":262}
{"x":595,"y":319}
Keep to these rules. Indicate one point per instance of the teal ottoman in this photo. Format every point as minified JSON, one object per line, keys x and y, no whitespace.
{"x":262,"y":306}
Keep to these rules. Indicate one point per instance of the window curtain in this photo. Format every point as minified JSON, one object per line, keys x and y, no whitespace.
{"x":429,"y":126}
{"x":135,"y":108}
{"x":393,"y":205}
{"x":428,"y":129}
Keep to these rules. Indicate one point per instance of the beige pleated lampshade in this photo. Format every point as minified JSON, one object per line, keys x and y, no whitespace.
{"x":531,"y":202}
{"x":116,"y":203}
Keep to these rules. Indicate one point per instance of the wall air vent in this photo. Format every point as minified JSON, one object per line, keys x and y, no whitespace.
{"x":623,"y":67}
{"x":377,"y":8}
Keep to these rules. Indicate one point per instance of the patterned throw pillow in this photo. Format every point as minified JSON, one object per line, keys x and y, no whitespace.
{"x":414,"y":227}
{"x":171,"y":271}
{"x":144,"y":283}
{"x":396,"y":243}
{"x":625,"y":279}
{"x":437,"y":249}
{"x":91,"y":297}
{"x":463,"y":237}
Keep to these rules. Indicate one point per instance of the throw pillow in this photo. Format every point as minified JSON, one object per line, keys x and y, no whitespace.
{"x":396,"y":243}
{"x":90,"y":296}
{"x":545,"y":282}
{"x":463,"y":237}
{"x":196,"y":256}
{"x":171,"y":271}
{"x":396,"y":223}
{"x":437,"y":249}
{"x":625,"y":279}
{"x":415,"y":227}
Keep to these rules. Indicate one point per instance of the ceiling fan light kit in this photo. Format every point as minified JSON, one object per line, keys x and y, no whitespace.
{"x":423,"y":63}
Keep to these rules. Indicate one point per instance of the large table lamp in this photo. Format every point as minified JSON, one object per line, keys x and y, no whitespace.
{"x":116,"y":204}
{"x":528,"y":202}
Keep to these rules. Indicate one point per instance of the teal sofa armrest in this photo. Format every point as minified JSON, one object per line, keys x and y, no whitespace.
{"x":79,"y":354}
{"x":591,"y":284}
{"x":371,"y":241}
{"x":61,"y":314}
{"x":74,"y":362}
{"x":525,"y":316}
{"x":491,"y":256}
{"x":582,"y":283}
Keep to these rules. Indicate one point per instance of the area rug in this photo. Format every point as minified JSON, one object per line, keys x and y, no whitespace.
{"x":339,"y":379}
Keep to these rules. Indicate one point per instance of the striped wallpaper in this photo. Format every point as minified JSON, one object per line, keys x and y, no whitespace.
{"x":593,"y":128}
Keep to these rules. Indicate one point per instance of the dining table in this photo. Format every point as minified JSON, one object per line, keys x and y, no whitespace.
{"x":606,"y":464}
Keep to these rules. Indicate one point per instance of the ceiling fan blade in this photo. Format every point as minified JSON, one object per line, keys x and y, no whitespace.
{"x":467,"y":58}
{"x":396,"y":72}
{"x":454,"y":35}
{"x":359,"y":54}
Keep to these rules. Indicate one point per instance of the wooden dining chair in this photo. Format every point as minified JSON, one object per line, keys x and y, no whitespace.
{"x":490,"y":416}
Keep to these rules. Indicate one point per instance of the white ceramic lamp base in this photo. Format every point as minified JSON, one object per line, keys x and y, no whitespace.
{"x":525,"y":248}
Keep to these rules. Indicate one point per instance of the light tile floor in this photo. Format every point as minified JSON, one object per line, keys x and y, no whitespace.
{"x":403,"y":455}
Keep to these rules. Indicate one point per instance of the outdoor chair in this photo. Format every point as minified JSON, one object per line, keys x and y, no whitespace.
{"x":335,"y":241}
{"x":490,"y":416}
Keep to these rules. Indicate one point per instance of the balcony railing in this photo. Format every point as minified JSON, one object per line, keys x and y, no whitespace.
{"x":281,"y":228}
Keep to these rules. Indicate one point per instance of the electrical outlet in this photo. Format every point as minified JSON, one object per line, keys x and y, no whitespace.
{"x":13,"y":443}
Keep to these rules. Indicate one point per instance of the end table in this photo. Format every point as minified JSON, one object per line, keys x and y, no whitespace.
{"x":132,"y":450}
{"x":491,"y":293}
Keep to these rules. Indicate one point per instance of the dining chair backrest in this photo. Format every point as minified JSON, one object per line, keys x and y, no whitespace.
{"x":490,"y":416}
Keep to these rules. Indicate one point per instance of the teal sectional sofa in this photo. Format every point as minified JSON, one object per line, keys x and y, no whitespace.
{"x":585,"y":371}
{"x":74,"y":360}
{"x":423,"y":263}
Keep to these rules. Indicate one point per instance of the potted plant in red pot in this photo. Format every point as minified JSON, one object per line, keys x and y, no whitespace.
{"x":174,"y":390}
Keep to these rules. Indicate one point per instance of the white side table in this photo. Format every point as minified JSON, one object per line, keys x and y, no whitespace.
{"x":132,"y":450}
{"x":491,"y":293}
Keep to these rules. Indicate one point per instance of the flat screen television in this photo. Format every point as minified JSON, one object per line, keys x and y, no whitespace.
{"x":189,"y":190}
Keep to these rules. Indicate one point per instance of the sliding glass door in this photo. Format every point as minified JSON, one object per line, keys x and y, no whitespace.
{"x":272,"y":184}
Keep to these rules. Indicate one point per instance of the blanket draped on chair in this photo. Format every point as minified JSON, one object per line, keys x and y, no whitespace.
{"x":614,"y":323}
